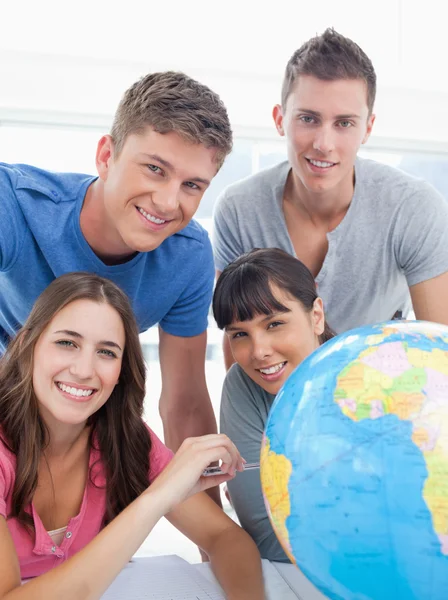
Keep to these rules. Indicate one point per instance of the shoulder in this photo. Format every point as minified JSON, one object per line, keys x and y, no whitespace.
{"x":240,"y":388}
{"x":9,"y":175}
{"x":159,"y":455}
{"x":7,"y":462}
{"x":382,"y":181}
{"x":244,"y":407}
{"x":5,"y":451}
{"x":58,"y":187}
{"x":258,"y":187}
{"x":236,"y":377}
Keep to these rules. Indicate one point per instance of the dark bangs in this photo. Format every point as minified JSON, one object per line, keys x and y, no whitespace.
{"x":244,"y":293}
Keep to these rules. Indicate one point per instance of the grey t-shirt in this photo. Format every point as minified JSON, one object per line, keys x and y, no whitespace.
{"x":394,"y":235}
{"x":244,"y":411}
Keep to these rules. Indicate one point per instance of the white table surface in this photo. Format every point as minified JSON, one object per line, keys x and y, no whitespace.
{"x":299,"y":584}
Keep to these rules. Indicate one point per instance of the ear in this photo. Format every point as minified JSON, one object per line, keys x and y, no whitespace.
{"x":370,"y":122}
{"x":104,"y":155}
{"x":277,"y":114}
{"x":318,"y":316}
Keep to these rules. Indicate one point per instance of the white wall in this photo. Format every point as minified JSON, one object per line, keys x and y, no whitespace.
{"x":78,"y":61}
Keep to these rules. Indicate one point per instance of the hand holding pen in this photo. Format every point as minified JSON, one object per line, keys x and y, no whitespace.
{"x":209,"y":471}
{"x":183,"y":476}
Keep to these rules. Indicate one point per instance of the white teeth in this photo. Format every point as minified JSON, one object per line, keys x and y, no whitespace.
{"x":151,"y":218}
{"x":273,"y":369}
{"x":74,"y":391}
{"x":319,"y":163}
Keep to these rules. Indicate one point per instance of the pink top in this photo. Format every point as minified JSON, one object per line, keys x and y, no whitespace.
{"x":39,"y":555}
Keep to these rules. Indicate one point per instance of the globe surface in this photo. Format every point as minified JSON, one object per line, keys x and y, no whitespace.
{"x":354,"y":464}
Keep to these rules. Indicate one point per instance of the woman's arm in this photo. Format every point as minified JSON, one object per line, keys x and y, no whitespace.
{"x":90,"y":572}
{"x":233,"y":555}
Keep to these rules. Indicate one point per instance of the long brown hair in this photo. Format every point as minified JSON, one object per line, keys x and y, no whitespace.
{"x":243,"y":289}
{"x":117,"y":428}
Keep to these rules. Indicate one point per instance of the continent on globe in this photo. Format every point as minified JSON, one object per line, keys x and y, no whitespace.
{"x":412,"y":384}
{"x":275,"y":473}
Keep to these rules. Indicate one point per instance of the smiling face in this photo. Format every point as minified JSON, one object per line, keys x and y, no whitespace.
{"x":269,"y":347}
{"x":325,"y":123}
{"x":152,"y":188}
{"x":77,"y":362}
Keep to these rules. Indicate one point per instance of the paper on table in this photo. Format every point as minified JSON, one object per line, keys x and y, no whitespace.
{"x":275,"y":587}
{"x":161,"y":578}
{"x":297,"y":580}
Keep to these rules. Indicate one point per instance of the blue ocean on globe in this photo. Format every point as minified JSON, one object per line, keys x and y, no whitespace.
{"x":354,"y":464}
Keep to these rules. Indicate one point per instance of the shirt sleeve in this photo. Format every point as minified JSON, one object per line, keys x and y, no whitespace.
{"x":189,"y":315}
{"x":421,"y":235}
{"x":159,"y":456}
{"x":242,"y":421}
{"x":226,"y":236}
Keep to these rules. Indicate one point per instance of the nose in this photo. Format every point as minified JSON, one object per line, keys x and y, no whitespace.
{"x":260,"y":348}
{"x":323,"y":140}
{"x":82,"y":366}
{"x":166,"y":200}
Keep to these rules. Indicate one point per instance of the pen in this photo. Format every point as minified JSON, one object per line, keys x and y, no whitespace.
{"x":217,"y":470}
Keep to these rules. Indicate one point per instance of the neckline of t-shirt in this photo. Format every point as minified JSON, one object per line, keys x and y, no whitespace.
{"x":57,"y":531}
{"x":87,"y":250}
{"x":336,"y":232}
{"x":332,"y":236}
{"x":41,"y":533}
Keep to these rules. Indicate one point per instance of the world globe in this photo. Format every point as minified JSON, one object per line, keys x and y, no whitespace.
{"x":354,"y":464}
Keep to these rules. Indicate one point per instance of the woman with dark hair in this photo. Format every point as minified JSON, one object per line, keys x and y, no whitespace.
{"x":83,"y":480}
{"x":266,"y":301}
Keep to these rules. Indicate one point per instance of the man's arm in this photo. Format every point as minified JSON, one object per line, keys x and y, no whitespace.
{"x":184,"y":404}
{"x":430,"y":299}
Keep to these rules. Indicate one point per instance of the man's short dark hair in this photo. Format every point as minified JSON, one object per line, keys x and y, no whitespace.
{"x":329,"y":57}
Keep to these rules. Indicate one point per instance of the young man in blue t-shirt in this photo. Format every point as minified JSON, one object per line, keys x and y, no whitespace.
{"x":131,"y":224}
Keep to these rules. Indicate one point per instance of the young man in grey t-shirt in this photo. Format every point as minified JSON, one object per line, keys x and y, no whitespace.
{"x":369,"y":234}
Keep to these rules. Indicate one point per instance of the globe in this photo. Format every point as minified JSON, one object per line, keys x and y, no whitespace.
{"x":354,"y":464}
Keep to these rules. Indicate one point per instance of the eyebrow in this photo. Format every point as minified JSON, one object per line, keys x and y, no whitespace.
{"x":266,"y":318}
{"x":318,"y":114}
{"x":77,"y":335}
{"x":171,"y":167}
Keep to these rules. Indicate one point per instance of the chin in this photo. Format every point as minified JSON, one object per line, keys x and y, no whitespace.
{"x":71,"y":419}
{"x":272,"y":388}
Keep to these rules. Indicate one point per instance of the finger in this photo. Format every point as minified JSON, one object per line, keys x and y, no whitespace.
{"x":225,"y":457}
{"x":236,"y":461}
{"x":212,"y":448}
{"x":212,"y":481}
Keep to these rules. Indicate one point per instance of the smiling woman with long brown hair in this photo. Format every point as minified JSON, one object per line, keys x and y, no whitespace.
{"x":83,"y":480}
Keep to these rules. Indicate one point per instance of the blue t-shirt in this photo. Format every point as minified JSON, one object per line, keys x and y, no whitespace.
{"x":40,"y":239}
